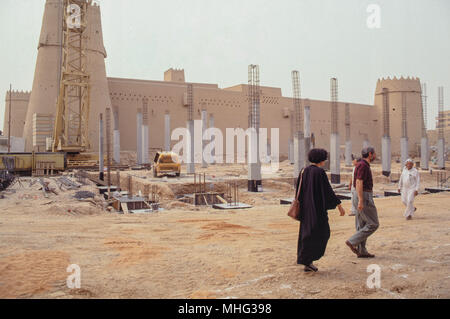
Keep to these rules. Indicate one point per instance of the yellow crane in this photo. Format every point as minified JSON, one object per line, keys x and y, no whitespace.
{"x":73,"y":105}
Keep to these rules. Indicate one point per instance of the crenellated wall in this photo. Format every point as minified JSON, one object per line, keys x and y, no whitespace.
{"x":230,"y":109}
{"x":19,"y":106}
{"x":397,"y":86}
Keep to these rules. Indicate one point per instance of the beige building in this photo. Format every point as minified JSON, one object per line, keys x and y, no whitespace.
{"x":443,"y":120}
{"x":19,"y":106}
{"x":229,"y":106}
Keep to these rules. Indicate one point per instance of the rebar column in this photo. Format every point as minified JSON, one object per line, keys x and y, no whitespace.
{"x":108,"y":150}
{"x":254,"y":163}
{"x":424,"y":144}
{"x":139,"y":136}
{"x":386,"y":139}
{"x":335,"y":159}
{"x":116,"y":137}
{"x":145,"y":137}
{"x":441,"y":139}
{"x":348,"y":138}
{"x":307,"y":127}
{"x":190,"y":163}
{"x":299,"y":137}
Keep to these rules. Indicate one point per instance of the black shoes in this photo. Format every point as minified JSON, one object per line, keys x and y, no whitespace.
{"x":311,"y":268}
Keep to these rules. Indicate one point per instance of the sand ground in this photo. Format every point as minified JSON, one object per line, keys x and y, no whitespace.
{"x":191,"y":252}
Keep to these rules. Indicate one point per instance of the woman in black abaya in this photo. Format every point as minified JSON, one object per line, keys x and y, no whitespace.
{"x":316,"y":198}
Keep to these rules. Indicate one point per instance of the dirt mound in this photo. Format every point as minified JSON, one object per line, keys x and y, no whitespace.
{"x":132,"y":251}
{"x":165,"y":192}
{"x":79,"y":209}
{"x":30,"y":273}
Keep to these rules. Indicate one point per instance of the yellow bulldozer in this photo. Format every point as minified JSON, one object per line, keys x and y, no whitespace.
{"x":166,"y":163}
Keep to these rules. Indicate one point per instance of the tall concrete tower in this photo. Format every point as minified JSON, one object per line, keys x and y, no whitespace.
{"x":401,"y":90}
{"x":47,"y":75}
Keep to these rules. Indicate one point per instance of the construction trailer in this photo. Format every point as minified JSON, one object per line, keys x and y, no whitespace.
{"x":36,"y":163}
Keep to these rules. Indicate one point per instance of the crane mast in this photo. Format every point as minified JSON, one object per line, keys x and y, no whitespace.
{"x":71,"y":132}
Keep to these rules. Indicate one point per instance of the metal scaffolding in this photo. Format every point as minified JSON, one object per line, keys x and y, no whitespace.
{"x":441,"y":112}
{"x":108,"y":149}
{"x":190,"y":102}
{"x":334,"y":106}
{"x":71,"y":132}
{"x":424,"y":110}
{"x":145,"y":111}
{"x":254,"y":97}
{"x":404,"y":116}
{"x":298,"y":109}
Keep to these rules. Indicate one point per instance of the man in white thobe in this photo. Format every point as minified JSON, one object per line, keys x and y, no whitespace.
{"x":408,"y":186}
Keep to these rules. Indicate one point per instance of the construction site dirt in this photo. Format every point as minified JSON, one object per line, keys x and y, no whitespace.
{"x":188,"y":251}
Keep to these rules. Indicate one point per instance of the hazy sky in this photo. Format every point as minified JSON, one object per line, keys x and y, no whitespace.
{"x":215,"y":41}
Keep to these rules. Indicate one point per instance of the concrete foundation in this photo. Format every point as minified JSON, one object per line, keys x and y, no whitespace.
{"x":167,"y":134}
{"x":299,"y":154}
{"x":139,"y":138}
{"x":231,"y":206}
{"x":335,"y":159}
{"x":424,"y":153}
{"x":441,"y":153}
{"x":348,"y":154}
{"x":404,"y":151}
{"x":386,"y":155}
{"x":190,"y":164}
{"x":116,"y":150}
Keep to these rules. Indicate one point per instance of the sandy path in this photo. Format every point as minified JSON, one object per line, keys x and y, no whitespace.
{"x":216,"y":254}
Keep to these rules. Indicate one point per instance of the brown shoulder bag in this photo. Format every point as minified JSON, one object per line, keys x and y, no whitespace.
{"x":294,"y":210}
